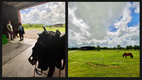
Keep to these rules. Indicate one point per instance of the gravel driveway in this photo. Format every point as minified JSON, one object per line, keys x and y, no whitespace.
{"x":32,"y":34}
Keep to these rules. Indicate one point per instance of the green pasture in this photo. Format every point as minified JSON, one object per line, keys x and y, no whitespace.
{"x":103,"y":63}
{"x":61,"y":29}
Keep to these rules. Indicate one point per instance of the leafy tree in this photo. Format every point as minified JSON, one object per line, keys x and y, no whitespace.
{"x":122,"y":48}
{"x":30,"y":25}
{"x":26,"y":25}
{"x":127,"y":47}
{"x":138,"y":47}
{"x":94,"y":47}
{"x":135,"y":47}
{"x":130,"y":47}
{"x":118,"y":47}
{"x":114,"y":48}
{"x":110,"y":48}
{"x":98,"y":47}
{"x":37,"y":25}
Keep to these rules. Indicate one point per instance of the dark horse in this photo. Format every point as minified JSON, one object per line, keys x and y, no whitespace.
{"x":127,"y":54}
{"x":49,"y":50}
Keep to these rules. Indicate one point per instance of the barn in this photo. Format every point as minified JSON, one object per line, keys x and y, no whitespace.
{"x":86,"y":48}
{"x":58,"y":25}
{"x":11,"y":11}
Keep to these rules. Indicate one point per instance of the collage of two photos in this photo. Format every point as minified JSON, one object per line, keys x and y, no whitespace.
{"x":70,"y":39}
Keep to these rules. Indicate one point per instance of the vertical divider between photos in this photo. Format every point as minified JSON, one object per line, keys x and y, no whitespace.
{"x":66,"y":32}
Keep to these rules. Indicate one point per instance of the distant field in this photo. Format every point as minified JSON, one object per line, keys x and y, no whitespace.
{"x":103,"y":63}
{"x":53,"y":29}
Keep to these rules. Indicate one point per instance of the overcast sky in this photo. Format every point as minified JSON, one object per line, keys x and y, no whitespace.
{"x":47,"y":13}
{"x":107,"y":24}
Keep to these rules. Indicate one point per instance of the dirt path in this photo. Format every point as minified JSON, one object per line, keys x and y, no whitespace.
{"x":72,"y":51}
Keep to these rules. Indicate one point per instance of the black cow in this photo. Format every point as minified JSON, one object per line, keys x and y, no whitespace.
{"x":49,"y":50}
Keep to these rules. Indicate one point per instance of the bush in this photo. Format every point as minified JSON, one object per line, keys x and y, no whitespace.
{"x":26,"y":25}
{"x":64,"y":25}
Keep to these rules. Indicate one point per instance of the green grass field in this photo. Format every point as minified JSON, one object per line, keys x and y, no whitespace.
{"x":103,"y":63}
{"x":53,"y":29}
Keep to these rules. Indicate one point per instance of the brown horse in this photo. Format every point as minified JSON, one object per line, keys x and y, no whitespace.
{"x":127,"y":54}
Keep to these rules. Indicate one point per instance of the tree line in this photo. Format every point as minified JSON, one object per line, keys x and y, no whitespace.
{"x":28,"y":25}
{"x":128,"y":47}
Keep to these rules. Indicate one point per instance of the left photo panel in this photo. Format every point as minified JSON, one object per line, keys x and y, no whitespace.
{"x":33,"y":39}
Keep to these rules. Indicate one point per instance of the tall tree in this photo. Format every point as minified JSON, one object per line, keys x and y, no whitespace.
{"x":130,"y":47}
{"x":127,"y":47}
{"x":26,"y":25}
{"x":118,"y":47}
{"x":94,"y":47}
{"x":138,"y":47}
{"x":114,"y":48}
{"x":135,"y":47}
{"x":98,"y":47}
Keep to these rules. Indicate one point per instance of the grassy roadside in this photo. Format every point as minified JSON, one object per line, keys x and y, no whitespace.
{"x":52,"y":29}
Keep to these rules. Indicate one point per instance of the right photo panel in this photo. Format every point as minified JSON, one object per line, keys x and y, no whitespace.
{"x":103,"y":39}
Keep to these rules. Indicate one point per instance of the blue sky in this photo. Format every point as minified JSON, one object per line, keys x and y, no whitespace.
{"x":25,"y":11}
{"x":135,"y":18}
{"x":134,"y":21}
{"x":49,"y":13}
{"x":107,"y":24}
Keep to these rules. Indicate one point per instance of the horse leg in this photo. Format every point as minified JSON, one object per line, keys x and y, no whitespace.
{"x":63,"y":64}
{"x":131,"y":56}
{"x":51,"y":68}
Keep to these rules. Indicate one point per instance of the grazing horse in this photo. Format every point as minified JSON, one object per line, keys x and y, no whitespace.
{"x":127,"y":54}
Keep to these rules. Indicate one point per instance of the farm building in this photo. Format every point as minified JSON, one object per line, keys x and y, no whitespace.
{"x":86,"y":48}
{"x":58,"y":25}
{"x":11,"y":11}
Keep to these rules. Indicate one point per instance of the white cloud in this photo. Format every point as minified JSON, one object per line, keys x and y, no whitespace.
{"x":48,"y":13}
{"x":137,"y":6}
{"x":96,"y":17}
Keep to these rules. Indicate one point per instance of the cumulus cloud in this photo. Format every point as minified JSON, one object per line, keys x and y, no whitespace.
{"x":88,"y":24}
{"x":137,"y":6}
{"x":48,"y":13}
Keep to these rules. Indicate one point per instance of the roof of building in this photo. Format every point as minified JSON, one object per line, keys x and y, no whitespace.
{"x":23,"y":5}
{"x":58,"y":24}
{"x":86,"y":47}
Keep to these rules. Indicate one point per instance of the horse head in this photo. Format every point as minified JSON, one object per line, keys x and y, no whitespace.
{"x":123,"y":54}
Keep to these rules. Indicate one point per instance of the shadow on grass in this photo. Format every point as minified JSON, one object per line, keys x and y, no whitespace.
{"x":102,"y":65}
{"x":94,"y":63}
